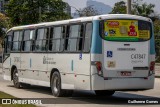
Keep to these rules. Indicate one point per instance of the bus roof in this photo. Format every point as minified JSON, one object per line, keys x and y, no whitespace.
{"x":82,"y":19}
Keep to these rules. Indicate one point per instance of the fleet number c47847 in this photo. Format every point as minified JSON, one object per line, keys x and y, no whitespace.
{"x":138,"y":56}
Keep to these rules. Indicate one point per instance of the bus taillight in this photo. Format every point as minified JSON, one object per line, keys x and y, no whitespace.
{"x":152,"y":65}
{"x":99,"y":68}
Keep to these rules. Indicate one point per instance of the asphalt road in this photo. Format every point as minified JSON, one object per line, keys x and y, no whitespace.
{"x":82,"y":98}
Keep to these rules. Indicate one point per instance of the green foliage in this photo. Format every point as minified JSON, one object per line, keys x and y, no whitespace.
{"x":138,"y":8}
{"x":119,"y":8}
{"x":22,"y":12}
{"x":143,"y":9}
{"x":4,"y":24}
{"x":157,"y":38}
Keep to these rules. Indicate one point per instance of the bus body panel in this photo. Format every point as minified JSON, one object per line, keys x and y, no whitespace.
{"x":74,"y":69}
{"x":7,"y":69}
{"x":132,"y":58}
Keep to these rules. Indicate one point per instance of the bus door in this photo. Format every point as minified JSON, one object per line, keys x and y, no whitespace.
{"x":6,"y":52}
{"x":16,"y":48}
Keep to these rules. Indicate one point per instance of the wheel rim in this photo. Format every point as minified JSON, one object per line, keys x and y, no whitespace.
{"x":56,"y":85}
{"x":15,"y":77}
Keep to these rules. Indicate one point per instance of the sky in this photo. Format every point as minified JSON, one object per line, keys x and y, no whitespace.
{"x":82,"y":3}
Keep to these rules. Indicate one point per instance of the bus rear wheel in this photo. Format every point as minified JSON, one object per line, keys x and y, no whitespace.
{"x":56,"y":85}
{"x":104,"y":92}
{"x":16,"y":78}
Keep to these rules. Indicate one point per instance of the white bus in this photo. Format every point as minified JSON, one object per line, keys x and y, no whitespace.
{"x":105,"y":53}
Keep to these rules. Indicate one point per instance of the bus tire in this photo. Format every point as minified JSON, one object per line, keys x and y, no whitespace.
{"x":56,"y":85}
{"x":104,"y":92}
{"x":16,"y":78}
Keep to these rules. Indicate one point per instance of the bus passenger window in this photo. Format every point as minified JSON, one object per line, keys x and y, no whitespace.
{"x":41,"y":39}
{"x":27,"y":41}
{"x":81,"y":39}
{"x":17,"y":38}
{"x":56,"y":39}
{"x":87,"y":38}
{"x":73,"y":37}
{"x":66,"y":38}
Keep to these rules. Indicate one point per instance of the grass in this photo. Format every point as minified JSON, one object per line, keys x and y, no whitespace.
{"x":4,"y":95}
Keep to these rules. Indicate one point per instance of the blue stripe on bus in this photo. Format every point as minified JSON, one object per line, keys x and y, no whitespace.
{"x":96,"y":46}
{"x":72,"y":66}
{"x":152,"y":44}
{"x":30,"y":62}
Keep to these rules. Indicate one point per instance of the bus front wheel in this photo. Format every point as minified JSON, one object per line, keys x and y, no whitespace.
{"x":56,"y":85}
{"x":104,"y":92}
{"x":16,"y":78}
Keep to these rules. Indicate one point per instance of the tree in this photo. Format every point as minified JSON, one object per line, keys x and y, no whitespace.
{"x":138,"y":8}
{"x":22,"y":12}
{"x":143,"y":10}
{"x":3,"y":24}
{"x":87,"y":11}
{"x":119,"y":8}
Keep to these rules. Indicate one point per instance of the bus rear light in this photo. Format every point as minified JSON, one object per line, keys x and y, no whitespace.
{"x":99,"y":68}
{"x":152,"y":66}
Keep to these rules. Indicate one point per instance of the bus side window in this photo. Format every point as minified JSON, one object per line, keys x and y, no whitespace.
{"x":17,"y":38}
{"x":81,"y":38}
{"x":73,"y":38}
{"x":41,"y":39}
{"x":56,"y":41}
{"x":27,"y":40}
{"x":87,"y":38}
{"x":66,"y":38}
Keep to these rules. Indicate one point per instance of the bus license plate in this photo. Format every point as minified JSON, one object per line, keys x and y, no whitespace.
{"x":125,"y":73}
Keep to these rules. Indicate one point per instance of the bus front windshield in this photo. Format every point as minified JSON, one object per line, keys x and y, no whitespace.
{"x":126,"y":30}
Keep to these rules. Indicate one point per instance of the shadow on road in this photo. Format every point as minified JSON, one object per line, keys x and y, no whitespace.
{"x":88,"y":97}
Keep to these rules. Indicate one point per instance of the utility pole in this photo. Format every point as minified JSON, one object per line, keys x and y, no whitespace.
{"x":128,"y":6}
